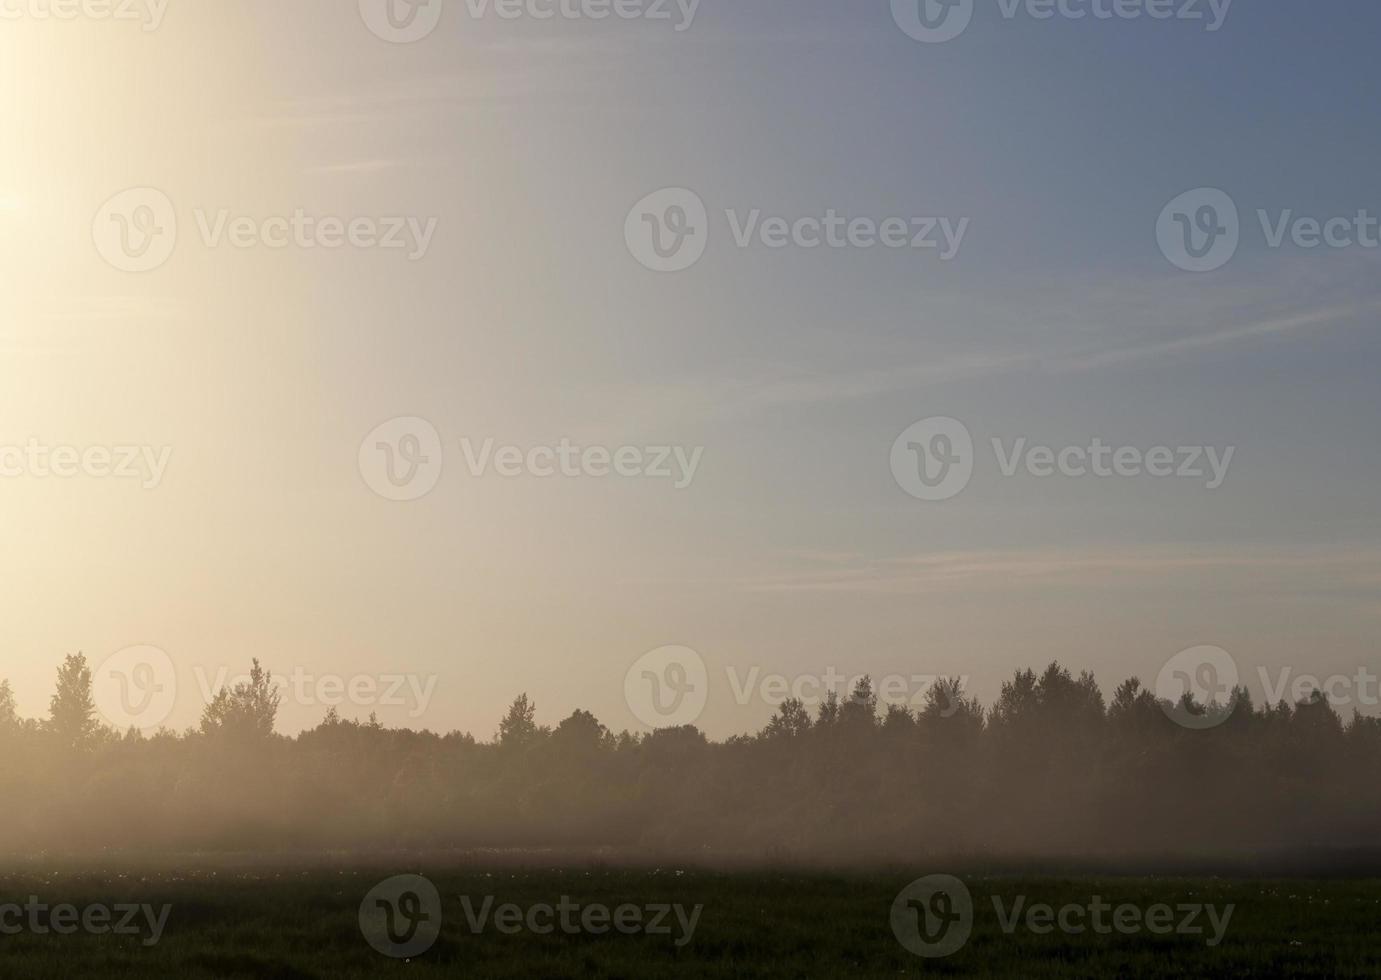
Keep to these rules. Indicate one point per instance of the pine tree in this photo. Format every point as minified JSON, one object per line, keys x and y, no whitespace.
{"x":9,"y":714}
{"x":73,"y":711}
{"x":246,"y":711}
{"x":519,"y":727}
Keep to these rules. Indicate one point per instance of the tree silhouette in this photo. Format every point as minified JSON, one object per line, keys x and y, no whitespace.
{"x":245,"y":712}
{"x":72,"y":711}
{"x":9,"y":714}
{"x":791,"y":720}
{"x":1049,"y":770}
{"x":518,"y":728}
{"x":581,"y":731}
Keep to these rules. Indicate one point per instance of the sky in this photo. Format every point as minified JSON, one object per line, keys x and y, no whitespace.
{"x":514,"y":158}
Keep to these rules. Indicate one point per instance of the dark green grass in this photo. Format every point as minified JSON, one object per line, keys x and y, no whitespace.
{"x":301,"y":924}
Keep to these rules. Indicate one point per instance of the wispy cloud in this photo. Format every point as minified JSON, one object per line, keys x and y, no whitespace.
{"x":1253,"y":330}
{"x":1141,"y":568}
{"x":1035,"y":329}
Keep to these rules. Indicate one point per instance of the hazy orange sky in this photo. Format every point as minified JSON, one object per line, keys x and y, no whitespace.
{"x":256,"y":374}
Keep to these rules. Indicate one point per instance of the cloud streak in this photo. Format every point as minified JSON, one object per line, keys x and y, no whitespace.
{"x":1139,"y":568}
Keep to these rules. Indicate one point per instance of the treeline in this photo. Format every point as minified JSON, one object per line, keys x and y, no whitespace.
{"x":1051,"y":769}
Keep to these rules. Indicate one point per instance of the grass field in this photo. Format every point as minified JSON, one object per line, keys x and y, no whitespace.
{"x":305,"y":923}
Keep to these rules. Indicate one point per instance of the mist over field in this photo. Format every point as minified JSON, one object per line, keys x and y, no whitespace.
{"x":1052,"y":773}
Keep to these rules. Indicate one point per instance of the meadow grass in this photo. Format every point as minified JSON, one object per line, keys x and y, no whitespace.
{"x":226,"y":923}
